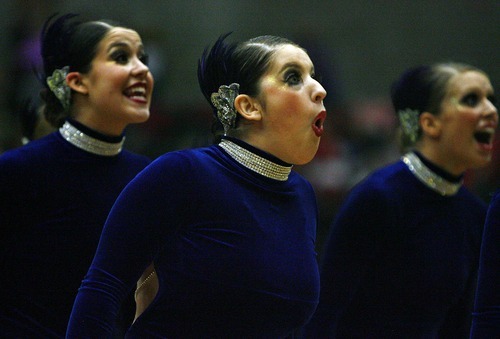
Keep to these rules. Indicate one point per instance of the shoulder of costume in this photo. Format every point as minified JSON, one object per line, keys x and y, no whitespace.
{"x":139,"y":158}
{"x":38,"y":148}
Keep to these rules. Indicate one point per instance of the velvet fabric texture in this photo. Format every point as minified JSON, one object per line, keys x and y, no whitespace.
{"x":486,"y":316}
{"x":400,"y":261}
{"x":54,"y":200}
{"x":233,"y":251}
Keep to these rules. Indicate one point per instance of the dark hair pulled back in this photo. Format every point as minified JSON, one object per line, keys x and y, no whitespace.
{"x":423,"y":88}
{"x":244,"y":63}
{"x":66,"y":41}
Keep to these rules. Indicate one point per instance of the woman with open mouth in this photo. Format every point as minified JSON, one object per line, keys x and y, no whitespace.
{"x":230,"y":228}
{"x":401,"y":259}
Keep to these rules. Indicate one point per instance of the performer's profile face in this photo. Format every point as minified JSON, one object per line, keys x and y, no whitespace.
{"x":468,"y":119}
{"x":292,"y":105}
{"x":119,"y":83}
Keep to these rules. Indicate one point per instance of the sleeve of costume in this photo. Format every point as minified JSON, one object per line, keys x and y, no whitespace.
{"x":4,"y":207}
{"x":143,"y":216}
{"x":458,"y":320}
{"x":9,"y":202}
{"x":349,"y":251}
{"x":486,"y":316}
{"x":18,"y":189}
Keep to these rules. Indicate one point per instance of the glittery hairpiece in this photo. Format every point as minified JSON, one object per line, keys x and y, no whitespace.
{"x":223,"y":100}
{"x":409,"y":123}
{"x":58,"y":86}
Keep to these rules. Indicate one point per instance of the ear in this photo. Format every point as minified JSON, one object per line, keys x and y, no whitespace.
{"x":76,"y":83}
{"x":248,"y":107}
{"x":430,"y":124}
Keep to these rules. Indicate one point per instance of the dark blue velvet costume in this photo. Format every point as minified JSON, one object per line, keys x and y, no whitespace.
{"x":233,"y":251}
{"x":400,"y":261}
{"x":54,"y":200}
{"x":486,"y":317}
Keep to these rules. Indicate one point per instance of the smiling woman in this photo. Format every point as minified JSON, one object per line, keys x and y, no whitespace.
{"x":229,"y":229}
{"x":118,"y":87}
{"x":56,"y":192}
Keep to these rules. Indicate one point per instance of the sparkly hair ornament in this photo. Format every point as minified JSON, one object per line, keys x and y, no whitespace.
{"x":58,"y":86}
{"x":223,"y":100}
{"x":409,"y":123}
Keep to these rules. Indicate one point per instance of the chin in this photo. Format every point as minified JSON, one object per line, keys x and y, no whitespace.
{"x":480,"y":162}
{"x":485,"y":162}
{"x":305,"y":159}
{"x":140,"y":117}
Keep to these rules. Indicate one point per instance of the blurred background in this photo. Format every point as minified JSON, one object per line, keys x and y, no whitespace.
{"x":359,"y":47}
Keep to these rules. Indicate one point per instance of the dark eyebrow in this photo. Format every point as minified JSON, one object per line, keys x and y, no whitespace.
{"x":478,"y":90}
{"x":125,"y":45}
{"x":117,"y":44}
{"x":295,"y":65}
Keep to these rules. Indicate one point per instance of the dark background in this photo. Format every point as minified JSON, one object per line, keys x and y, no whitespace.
{"x":358,"y":46}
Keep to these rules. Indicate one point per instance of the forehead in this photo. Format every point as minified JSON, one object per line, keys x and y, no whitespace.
{"x":469,"y":81}
{"x":120,"y":35}
{"x":289,"y":55}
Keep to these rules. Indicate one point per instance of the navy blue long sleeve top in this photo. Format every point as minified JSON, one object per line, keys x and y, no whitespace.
{"x":233,"y":251}
{"x":486,"y":316}
{"x":400,"y":261}
{"x":54,"y":200}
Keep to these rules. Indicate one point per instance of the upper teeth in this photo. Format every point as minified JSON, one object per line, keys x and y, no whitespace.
{"x":137,"y":91}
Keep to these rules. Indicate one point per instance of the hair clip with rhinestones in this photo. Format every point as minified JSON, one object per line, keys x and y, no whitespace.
{"x":409,"y":123}
{"x":58,"y":86}
{"x":223,"y":100}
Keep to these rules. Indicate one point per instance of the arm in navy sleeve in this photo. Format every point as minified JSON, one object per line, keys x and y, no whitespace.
{"x":349,"y":251}
{"x":145,"y":213}
{"x":486,"y":316}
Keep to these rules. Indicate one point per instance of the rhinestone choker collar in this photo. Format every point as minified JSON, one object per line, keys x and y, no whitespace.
{"x":92,"y":145}
{"x":255,"y":162}
{"x":429,"y":178}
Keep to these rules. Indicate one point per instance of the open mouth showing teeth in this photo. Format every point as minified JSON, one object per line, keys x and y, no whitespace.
{"x":483,"y":137}
{"x":136,"y":92}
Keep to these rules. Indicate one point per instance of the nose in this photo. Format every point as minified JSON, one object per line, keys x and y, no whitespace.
{"x":491,"y":110}
{"x":140,"y":68}
{"x":318,"y":93}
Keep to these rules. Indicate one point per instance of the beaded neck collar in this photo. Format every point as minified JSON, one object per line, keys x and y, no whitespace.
{"x":428,"y":177}
{"x":255,"y":162}
{"x":90,"y":144}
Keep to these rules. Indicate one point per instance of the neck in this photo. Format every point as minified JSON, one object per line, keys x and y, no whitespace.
{"x":91,"y":141}
{"x":432,"y":154}
{"x":256,"y":160}
{"x":95,"y":122}
{"x":420,"y":169}
{"x":438,"y":170}
{"x":95,"y":133}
